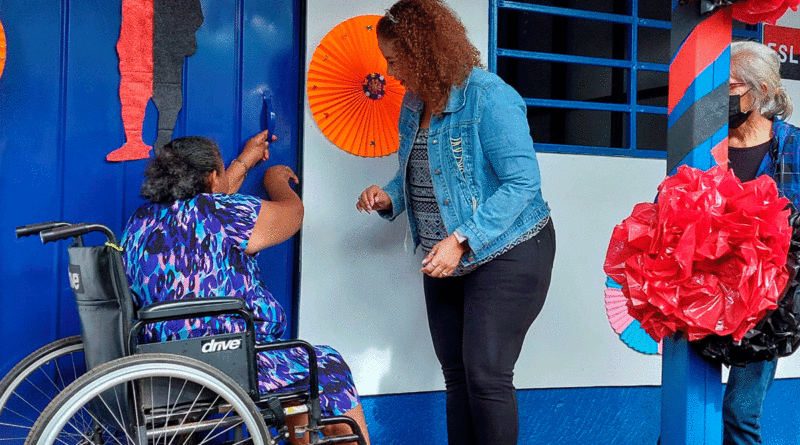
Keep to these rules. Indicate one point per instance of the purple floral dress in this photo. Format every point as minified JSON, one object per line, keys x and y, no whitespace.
{"x":195,"y":249}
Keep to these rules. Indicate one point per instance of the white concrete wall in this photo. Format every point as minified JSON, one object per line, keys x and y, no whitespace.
{"x":361,"y":290}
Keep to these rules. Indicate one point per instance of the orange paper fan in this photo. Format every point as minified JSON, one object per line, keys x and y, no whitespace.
{"x":354,"y":102}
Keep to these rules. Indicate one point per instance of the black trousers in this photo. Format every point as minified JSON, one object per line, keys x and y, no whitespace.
{"x":478,"y":322}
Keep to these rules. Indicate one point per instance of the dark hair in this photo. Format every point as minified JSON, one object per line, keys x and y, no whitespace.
{"x":433,"y":42}
{"x":180,"y":169}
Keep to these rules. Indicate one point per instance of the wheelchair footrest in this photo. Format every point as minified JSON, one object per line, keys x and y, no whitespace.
{"x":350,"y":438}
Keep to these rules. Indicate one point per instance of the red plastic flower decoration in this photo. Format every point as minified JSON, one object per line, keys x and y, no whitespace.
{"x":762,"y":11}
{"x":708,"y":258}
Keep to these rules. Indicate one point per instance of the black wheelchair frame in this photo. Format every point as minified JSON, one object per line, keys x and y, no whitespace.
{"x":127,"y":385}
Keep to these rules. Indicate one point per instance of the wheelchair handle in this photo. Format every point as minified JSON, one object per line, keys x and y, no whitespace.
{"x":34,"y":229}
{"x":76,"y":230}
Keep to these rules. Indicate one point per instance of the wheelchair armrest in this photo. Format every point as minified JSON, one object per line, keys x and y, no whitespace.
{"x":190,"y":307}
{"x":313,"y":383}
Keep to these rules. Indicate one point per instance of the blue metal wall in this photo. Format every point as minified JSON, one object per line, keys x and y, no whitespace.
{"x":60,"y":116}
{"x":569,"y":416}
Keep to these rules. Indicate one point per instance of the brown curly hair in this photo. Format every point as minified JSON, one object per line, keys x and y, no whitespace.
{"x":433,"y":42}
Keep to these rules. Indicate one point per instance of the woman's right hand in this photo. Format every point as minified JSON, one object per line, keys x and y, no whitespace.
{"x":373,"y":198}
{"x":280,"y":217}
{"x":256,"y":149}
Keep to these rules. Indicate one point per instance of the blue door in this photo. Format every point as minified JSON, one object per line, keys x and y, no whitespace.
{"x":60,"y":116}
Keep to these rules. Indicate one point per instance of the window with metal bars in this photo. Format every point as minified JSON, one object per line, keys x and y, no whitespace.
{"x":576,"y":63}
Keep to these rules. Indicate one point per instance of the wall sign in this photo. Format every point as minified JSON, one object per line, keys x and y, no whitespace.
{"x":786,"y":42}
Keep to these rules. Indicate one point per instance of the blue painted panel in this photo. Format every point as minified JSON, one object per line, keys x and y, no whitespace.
{"x":93,"y":129}
{"x":60,"y":116}
{"x":210,"y":86}
{"x":574,"y":416}
{"x":30,"y":174}
{"x":569,"y":416}
{"x":245,"y":49}
{"x":691,"y":396}
{"x":273,"y":64}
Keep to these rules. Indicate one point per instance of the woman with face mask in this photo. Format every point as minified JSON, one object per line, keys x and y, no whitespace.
{"x":760,"y":143}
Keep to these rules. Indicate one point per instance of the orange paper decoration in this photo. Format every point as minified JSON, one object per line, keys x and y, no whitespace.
{"x":354,"y":102}
{"x":2,"y":49}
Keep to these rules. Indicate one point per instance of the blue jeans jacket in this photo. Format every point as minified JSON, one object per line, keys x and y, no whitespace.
{"x":484,"y":168}
{"x":743,"y":404}
{"x":782,"y":163}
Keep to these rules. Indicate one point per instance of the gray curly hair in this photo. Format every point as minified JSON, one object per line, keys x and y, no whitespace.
{"x":758,"y":66}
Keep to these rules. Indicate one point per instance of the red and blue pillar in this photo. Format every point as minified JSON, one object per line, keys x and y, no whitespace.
{"x":691,"y":388}
{"x":698,"y":87}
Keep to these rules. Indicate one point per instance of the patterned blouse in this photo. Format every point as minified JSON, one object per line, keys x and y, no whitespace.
{"x":196,"y":249}
{"x":425,"y":209}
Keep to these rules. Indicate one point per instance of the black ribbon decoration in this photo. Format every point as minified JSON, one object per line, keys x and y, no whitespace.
{"x":777,"y":334}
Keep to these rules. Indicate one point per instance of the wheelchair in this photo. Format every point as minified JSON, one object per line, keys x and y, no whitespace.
{"x":107,"y":387}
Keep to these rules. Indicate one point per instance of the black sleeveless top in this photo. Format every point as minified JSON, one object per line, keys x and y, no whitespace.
{"x":745,"y":161}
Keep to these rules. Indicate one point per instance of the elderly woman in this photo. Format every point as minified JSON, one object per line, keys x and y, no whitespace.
{"x":197,"y":238}
{"x":760,"y":143}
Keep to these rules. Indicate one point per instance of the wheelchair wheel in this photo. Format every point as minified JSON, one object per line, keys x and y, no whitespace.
{"x":152,"y":399}
{"x":33,"y":383}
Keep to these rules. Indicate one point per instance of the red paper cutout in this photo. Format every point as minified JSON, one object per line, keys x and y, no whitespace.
{"x":720,"y":153}
{"x":135,"y":49}
{"x":708,"y":258}
{"x":2,"y":49}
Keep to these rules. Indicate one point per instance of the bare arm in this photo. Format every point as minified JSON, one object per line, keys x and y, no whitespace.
{"x":255,"y":150}
{"x":236,"y":173}
{"x":282,"y":216}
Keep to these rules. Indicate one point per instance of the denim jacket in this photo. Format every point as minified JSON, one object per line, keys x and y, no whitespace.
{"x":483,"y":165}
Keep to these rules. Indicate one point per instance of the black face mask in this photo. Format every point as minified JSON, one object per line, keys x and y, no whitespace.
{"x":735,"y":115}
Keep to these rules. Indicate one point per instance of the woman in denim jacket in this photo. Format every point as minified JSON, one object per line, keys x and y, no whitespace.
{"x":470,"y":181}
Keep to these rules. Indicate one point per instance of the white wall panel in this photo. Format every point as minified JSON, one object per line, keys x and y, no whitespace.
{"x":361,"y":289}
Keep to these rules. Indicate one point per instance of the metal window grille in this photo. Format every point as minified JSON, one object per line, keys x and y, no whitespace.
{"x":629,"y":112}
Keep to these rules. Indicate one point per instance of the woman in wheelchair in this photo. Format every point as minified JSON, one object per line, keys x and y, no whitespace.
{"x":197,"y":238}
